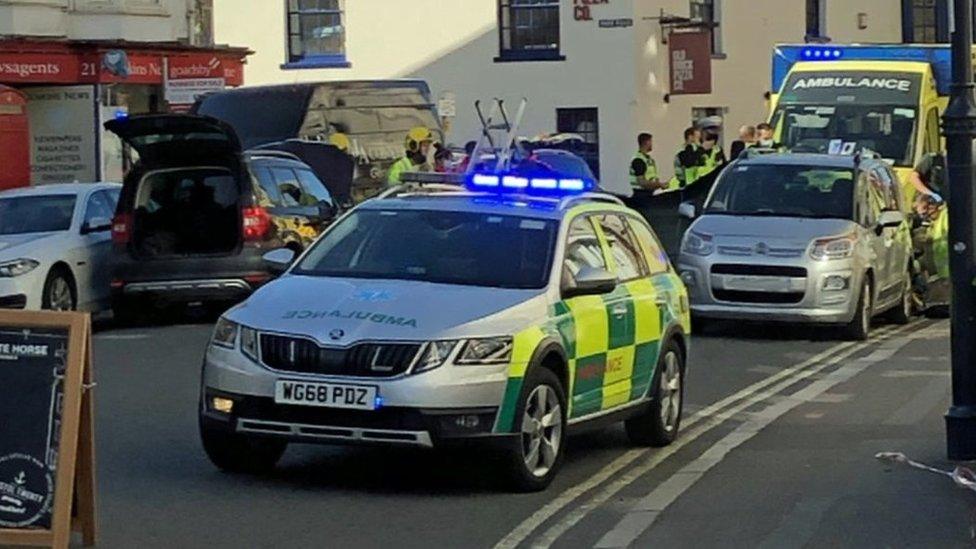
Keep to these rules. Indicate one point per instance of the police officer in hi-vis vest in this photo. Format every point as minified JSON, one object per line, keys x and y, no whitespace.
{"x":643,"y":169}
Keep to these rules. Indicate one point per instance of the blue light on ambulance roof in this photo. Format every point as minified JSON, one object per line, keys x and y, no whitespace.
{"x":542,"y":185}
{"x":515,"y":182}
{"x":485,"y":180}
{"x":822,"y":53}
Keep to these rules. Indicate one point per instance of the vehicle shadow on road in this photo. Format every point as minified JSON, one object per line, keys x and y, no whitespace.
{"x":446,"y":472}
{"x":770,"y":331}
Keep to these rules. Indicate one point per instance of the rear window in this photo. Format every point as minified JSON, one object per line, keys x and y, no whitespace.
{"x":195,"y":211}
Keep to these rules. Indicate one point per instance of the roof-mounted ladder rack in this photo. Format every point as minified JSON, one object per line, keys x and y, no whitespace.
{"x":498,"y":134}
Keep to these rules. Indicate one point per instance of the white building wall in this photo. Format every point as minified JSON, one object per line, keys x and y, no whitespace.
{"x":623,"y":72}
{"x":130,"y":20}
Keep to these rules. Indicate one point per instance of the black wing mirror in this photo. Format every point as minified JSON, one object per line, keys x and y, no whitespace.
{"x":278,"y":261}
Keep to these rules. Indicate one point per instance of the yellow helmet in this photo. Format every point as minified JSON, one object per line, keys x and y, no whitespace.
{"x":339,"y":141}
{"x":418,"y":135}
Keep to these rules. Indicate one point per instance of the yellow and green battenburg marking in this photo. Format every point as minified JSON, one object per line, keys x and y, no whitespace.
{"x":612,"y":356}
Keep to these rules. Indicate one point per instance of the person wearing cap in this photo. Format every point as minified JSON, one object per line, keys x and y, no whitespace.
{"x":643,"y":168}
{"x":688,"y":161}
{"x":713,"y":158}
{"x":418,"y":143}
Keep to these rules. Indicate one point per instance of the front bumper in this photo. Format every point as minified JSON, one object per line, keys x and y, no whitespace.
{"x":24,"y":291}
{"x":800,"y":299}
{"x":447,"y":404}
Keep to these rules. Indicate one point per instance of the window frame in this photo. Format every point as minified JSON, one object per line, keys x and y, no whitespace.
{"x":643,"y":269}
{"x":632,"y":222}
{"x":560,"y":265}
{"x":315,"y":60}
{"x":579,"y":114}
{"x":711,"y":11}
{"x":940,"y":22}
{"x":89,"y":205}
{"x":510,"y":54}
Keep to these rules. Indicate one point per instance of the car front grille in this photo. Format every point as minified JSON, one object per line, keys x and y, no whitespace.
{"x":759,"y":298}
{"x":300,"y":355}
{"x":759,"y":270}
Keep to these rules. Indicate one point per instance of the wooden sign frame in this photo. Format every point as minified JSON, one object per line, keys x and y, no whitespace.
{"x":73,"y":507}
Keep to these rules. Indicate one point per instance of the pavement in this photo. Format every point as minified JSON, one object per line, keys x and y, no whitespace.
{"x":777,"y":450}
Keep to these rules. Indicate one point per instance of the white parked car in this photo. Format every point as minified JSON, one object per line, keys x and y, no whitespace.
{"x":55,"y":246}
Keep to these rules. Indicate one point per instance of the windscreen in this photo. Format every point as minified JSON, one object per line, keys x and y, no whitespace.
{"x":36,"y":214}
{"x":822,"y":112}
{"x":467,"y":248}
{"x":827,"y":129}
{"x":783,"y":190}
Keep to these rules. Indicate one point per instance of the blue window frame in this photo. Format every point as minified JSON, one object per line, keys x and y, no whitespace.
{"x":528,"y":30}
{"x":316,"y":34}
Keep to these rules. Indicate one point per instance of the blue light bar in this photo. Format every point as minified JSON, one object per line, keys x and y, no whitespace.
{"x":484,"y":180}
{"x":938,"y":56}
{"x":519,"y":184}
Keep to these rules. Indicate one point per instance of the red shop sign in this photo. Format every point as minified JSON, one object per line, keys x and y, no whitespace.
{"x":691,"y":62}
{"x":187,"y":67}
{"x":29,"y":68}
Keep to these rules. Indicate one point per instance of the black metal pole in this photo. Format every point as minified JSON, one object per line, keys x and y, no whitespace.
{"x":960,"y":131}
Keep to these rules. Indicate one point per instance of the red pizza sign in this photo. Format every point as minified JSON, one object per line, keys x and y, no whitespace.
{"x":690,"y":54}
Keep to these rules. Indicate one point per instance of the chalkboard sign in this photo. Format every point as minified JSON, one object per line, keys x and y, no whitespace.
{"x":32,"y":367}
{"x":46,"y":456}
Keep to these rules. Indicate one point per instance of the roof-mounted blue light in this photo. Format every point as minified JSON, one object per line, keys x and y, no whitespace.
{"x":536,"y":185}
{"x":822,"y":54}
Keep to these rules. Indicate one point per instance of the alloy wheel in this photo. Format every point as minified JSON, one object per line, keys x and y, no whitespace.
{"x":669,"y":392}
{"x":59,"y":295}
{"x":542,"y":430}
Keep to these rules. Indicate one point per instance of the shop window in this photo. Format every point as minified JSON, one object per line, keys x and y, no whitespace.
{"x":585,"y":123}
{"x":528,"y":30}
{"x":316,"y":34}
{"x":708,"y":13}
{"x":925,"y":21}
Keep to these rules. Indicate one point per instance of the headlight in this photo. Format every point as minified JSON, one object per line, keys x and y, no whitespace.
{"x":435,"y":354}
{"x":837,"y":247}
{"x":249,"y":342}
{"x":698,"y":244}
{"x":495,"y":350}
{"x":225,"y":333}
{"x":17,"y":267}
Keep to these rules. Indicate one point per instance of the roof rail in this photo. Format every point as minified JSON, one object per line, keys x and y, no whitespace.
{"x":605,"y":198}
{"x":273,"y":153}
{"x":753,"y":152}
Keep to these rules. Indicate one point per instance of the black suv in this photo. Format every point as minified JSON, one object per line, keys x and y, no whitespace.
{"x":197,"y":213}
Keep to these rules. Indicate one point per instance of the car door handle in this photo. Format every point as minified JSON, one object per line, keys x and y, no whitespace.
{"x":619,"y":310}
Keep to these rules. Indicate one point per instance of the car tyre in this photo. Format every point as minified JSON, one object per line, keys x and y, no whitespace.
{"x":659,"y":424}
{"x":902,"y":314}
{"x":60,"y":293}
{"x":859,"y":329}
{"x":236,"y":453}
{"x":534,"y":458}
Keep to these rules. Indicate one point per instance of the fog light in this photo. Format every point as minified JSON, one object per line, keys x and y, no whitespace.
{"x":688,"y":277}
{"x":470,"y":421}
{"x":222,"y":405}
{"x":836,"y":282}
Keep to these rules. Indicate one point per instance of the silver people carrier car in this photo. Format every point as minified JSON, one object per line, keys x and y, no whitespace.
{"x":800,"y":238}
